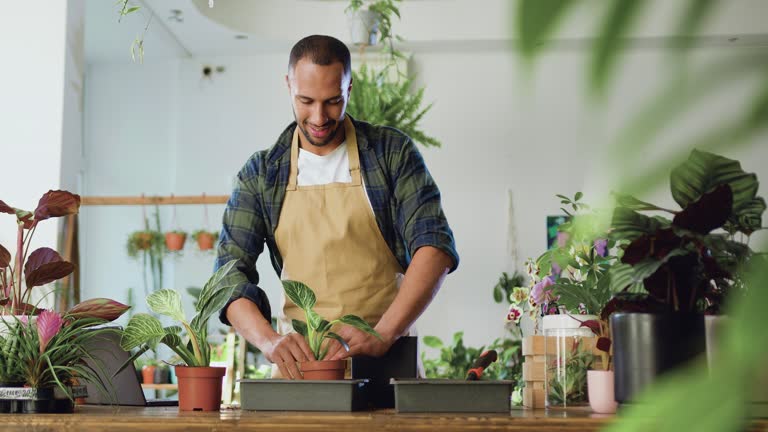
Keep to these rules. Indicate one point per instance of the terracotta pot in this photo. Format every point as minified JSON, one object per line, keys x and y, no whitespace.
{"x":199,"y":388}
{"x":144,"y":241}
{"x":600,"y":391}
{"x":148,"y":374}
{"x":323,"y":369}
{"x":205,"y":241}
{"x":175,"y":241}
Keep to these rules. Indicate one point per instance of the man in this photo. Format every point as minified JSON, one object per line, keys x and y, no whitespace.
{"x":344,"y":207}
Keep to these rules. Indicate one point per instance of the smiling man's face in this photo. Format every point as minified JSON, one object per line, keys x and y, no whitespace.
{"x":319,"y":96}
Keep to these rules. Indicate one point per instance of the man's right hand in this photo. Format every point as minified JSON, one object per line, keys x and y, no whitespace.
{"x":285,"y":351}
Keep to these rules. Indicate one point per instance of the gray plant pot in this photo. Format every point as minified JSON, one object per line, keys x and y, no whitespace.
{"x":646,"y":346}
{"x":303,"y":395}
{"x":445,"y":395}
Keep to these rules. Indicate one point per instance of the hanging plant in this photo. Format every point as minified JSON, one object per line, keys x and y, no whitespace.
{"x":205,"y":239}
{"x":174,"y":240}
{"x":141,"y":241}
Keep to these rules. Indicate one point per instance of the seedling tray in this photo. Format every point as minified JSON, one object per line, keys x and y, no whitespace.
{"x":443,"y":395}
{"x":25,"y":400}
{"x":303,"y":395}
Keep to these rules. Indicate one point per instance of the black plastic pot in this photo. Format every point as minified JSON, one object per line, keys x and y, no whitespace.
{"x":162,"y":375}
{"x":646,"y":346}
{"x":401,"y":361}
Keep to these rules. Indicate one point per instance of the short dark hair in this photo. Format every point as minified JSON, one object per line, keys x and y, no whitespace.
{"x":322,"y":50}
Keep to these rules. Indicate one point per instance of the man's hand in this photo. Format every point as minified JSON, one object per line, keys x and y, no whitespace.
{"x":285,"y":351}
{"x":360,"y":343}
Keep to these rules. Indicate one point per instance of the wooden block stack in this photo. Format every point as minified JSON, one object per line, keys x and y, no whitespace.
{"x":534,"y":367}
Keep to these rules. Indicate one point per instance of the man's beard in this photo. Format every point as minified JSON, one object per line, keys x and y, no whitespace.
{"x":327,"y":140}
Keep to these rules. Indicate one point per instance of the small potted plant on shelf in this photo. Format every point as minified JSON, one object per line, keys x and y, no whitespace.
{"x":365,"y":24}
{"x":317,"y":332}
{"x":200,"y":385}
{"x":174,"y":240}
{"x":205,"y":239}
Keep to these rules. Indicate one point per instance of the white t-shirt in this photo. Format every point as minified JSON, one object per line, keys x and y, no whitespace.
{"x":331,"y":168}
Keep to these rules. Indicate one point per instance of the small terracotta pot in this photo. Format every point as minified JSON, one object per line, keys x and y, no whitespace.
{"x":600,"y":391}
{"x":199,"y":388}
{"x":175,"y":241}
{"x":205,"y":241}
{"x":144,"y":241}
{"x":323,"y":369}
{"x":148,"y":374}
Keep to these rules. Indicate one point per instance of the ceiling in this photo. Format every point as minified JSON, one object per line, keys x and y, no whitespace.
{"x":248,"y":27}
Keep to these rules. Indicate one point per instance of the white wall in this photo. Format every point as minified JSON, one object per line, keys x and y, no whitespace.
{"x":38,"y":41}
{"x":500,"y":133}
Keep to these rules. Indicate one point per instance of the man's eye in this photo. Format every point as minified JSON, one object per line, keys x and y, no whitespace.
{"x":335,"y":101}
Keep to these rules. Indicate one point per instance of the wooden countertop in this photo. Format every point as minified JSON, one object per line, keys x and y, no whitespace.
{"x":93,"y":418}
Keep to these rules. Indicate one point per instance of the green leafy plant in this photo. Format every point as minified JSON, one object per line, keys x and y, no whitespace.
{"x":506,"y":286}
{"x":42,"y":266}
{"x":686,"y":264}
{"x":568,"y":381}
{"x":385,"y":10}
{"x":145,"y":331}
{"x":317,"y":330}
{"x":52,"y":349}
{"x":456,"y":359}
{"x":379,"y":99}
{"x":137,"y":46}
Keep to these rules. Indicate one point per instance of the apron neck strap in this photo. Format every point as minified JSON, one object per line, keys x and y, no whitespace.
{"x":353,"y":155}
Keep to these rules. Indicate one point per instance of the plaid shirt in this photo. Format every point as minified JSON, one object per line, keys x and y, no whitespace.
{"x":403,"y":195}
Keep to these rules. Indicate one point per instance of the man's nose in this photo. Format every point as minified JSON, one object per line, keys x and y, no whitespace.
{"x":318,"y":116}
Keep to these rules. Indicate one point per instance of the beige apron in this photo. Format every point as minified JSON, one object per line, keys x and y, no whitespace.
{"x":329,"y":240}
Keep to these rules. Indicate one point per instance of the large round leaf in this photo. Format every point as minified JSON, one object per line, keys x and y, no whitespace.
{"x":703,"y":172}
{"x":57,"y":203}
{"x":44,"y":266}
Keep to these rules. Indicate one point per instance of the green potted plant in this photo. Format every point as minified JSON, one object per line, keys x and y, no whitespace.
{"x":51,"y":353}
{"x":205,"y":239}
{"x":365,"y":24}
{"x":42,"y":266}
{"x":317,"y":332}
{"x":174,"y":240}
{"x":687,"y":265}
{"x":199,"y":384}
{"x":379,"y":99}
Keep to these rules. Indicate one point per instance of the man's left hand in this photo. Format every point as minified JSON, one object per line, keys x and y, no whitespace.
{"x":360,"y":343}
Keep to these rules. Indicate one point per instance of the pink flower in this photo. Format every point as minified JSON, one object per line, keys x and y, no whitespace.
{"x":514,"y":314}
{"x":48,"y":325}
{"x":539,"y":293}
{"x":562,"y":239}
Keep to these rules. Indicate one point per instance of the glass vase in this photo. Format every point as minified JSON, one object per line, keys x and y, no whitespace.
{"x":568,"y":357}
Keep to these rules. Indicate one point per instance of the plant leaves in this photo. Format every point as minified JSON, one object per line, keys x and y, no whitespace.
{"x":5,"y":257}
{"x":703,"y":172}
{"x":103,"y":308}
{"x":215,"y":294}
{"x":604,"y":344}
{"x":166,"y":302}
{"x":142,"y":329}
{"x":57,"y":203}
{"x":359,"y":323}
{"x":45,"y":265}
{"x":433,"y":342}
{"x":332,"y":335}
{"x":314,"y":320}
{"x":536,"y":21}
{"x":710,"y":211}
{"x":627,"y":224}
{"x":632,"y":203}
{"x":5,"y":208}
{"x":300,"y":327}
{"x":300,"y":294}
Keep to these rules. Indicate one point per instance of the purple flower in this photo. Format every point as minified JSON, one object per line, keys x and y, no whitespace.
{"x":601,"y":246}
{"x":539,"y":293}
{"x":556,"y":270}
{"x":48,"y":325}
{"x":562,"y":239}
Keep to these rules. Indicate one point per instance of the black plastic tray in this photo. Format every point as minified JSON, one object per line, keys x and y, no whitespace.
{"x":443,"y":395}
{"x":303,"y":395}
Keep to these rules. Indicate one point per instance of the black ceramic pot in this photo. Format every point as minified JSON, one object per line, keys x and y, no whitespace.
{"x":648,"y":345}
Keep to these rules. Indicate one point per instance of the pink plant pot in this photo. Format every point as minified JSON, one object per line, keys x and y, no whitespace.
{"x":600,"y":391}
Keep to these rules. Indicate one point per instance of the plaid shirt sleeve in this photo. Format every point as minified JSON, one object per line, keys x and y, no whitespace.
{"x":419,"y":213}
{"x":242,"y":238}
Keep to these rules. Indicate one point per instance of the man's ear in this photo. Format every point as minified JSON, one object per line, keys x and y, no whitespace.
{"x":288,"y":82}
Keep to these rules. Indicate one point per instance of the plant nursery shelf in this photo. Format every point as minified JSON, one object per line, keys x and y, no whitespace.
{"x":152,"y":200}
